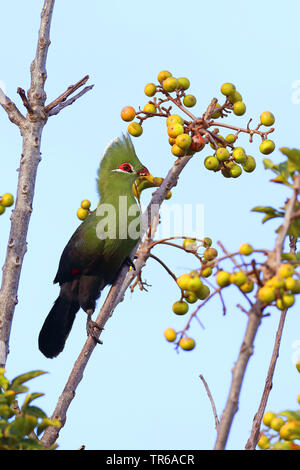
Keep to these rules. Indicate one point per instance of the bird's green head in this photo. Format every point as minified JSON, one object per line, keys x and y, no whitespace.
{"x":120,"y":165}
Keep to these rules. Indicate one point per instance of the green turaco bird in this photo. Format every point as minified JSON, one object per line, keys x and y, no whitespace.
{"x":98,"y":248}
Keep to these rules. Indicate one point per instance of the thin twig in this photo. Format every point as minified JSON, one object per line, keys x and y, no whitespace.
{"x":70,"y":101}
{"x":211,"y":401}
{"x":69,"y":91}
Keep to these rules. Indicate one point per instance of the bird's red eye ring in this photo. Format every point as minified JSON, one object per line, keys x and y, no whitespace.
{"x":126,"y":167}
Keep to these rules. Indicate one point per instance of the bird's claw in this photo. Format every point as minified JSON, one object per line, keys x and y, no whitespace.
{"x":90,"y":328}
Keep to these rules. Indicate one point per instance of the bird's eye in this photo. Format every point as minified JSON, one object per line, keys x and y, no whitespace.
{"x":126,"y":167}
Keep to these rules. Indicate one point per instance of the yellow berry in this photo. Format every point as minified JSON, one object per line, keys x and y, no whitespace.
{"x":234,"y":97}
{"x":223,"y":278}
{"x":298,"y":365}
{"x":238,"y":278}
{"x":177,"y":151}
{"x":227,"y":89}
{"x":174,"y":119}
{"x":150,"y":89}
{"x":163,"y":75}
{"x":266,"y":294}
{"x":183,"y":281}
{"x":85,"y":204}
{"x":189,"y":244}
{"x":195,"y":283}
{"x":7,"y":200}
{"x":247,"y":287}
{"x":239,"y":108}
{"x":267,"y":146}
{"x":268,"y":417}
{"x":291,"y":284}
{"x":2,"y":209}
{"x":170,"y":334}
{"x":246,"y":249}
{"x":286,"y":270}
{"x":230,"y":138}
{"x":135,"y":129}
{"x":207,"y":272}
{"x":263,"y":442}
{"x":150,"y":108}
{"x":82,"y":213}
{"x":170,"y":84}
{"x":175,"y":129}
{"x":267,"y":118}
{"x":276,"y":423}
{"x":128,"y":113}
{"x":222,"y":154}
{"x":239,"y":155}
{"x":210,"y":254}
{"x":187,"y":343}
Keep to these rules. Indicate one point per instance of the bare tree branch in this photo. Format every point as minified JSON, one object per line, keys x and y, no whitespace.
{"x":254,"y":319}
{"x":12,"y":111}
{"x":211,"y":400}
{"x":72,"y":100}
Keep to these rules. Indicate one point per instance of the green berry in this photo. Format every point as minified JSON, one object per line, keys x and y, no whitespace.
{"x":234,"y":97}
{"x":222,"y":154}
{"x":2,"y":209}
{"x":212,"y":163}
{"x":183,"y":141}
{"x":207,"y":272}
{"x":170,"y":84}
{"x":180,"y":307}
{"x":235,"y":171}
{"x":239,"y":108}
{"x":239,"y":155}
{"x":184,"y":83}
{"x":189,"y":101}
{"x":249,"y":165}
{"x":230,"y":138}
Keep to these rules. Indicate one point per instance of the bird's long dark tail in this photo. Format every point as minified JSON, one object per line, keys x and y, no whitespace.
{"x":59,"y":321}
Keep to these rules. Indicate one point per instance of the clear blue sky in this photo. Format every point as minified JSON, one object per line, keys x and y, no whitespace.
{"x":137,"y":393}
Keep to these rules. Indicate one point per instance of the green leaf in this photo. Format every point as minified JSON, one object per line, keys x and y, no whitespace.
{"x":293,"y":156}
{"x":6,"y":412}
{"x":294,"y":229}
{"x":21,"y":426}
{"x":291,"y":415}
{"x":265,"y":209}
{"x":29,"y":398}
{"x":269,"y":165}
{"x":35,"y":411}
{"x":20,"y":379}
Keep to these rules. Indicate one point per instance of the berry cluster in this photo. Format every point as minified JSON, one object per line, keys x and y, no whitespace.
{"x":191,"y":134}
{"x":84,"y":209}
{"x":6,"y":200}
{"x":282,"y":429}
{"x":193,"y":288}
{"x":280,"y":289}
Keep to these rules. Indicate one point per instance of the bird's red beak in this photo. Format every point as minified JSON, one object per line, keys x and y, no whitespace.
{"x":143,"y":172}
